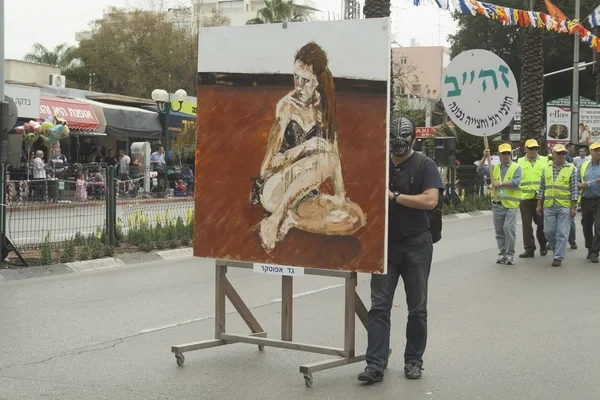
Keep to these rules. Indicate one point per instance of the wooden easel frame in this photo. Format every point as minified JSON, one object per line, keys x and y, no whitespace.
{"x":224,"y":290}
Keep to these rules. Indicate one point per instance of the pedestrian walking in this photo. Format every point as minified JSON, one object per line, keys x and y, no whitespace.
{"x":505,"y":202}
{"x":415,"y":184}
{"x":589,"y":183}
{"x":532,"y":165}
{"x":557,"y":197}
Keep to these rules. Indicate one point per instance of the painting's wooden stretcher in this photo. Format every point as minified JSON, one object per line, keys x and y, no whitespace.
{"x":224,"y":289}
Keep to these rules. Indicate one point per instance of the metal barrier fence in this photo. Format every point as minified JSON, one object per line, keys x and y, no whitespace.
{"x":82,"y":200}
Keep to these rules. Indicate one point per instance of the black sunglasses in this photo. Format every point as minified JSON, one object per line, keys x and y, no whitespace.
{"x":561,"y":153}
{"x":533,"y":148}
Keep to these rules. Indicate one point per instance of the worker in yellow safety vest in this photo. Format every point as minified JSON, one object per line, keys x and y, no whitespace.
{"x":505,"y":201}
{"x":589,"y":183}
{"x":532,"y":166}
{"x":557,"y":197}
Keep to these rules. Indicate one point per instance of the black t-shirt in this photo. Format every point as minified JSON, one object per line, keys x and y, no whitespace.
{"x":404,"y":221}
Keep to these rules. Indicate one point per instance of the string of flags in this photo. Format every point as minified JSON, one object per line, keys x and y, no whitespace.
{"x":512,"y":16}
{"x":468,"y":5}
{"x":442,"y":4}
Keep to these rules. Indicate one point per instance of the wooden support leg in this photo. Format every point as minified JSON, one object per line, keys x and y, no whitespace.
{"x":350,"y":315}
{"x":241,"y":308}
{"x":361,"y":311}
{"x":220,"y":293}
{"x":287,"y":299}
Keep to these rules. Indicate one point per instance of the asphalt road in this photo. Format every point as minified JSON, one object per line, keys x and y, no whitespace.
{"x":527,"y":331}
{"x":29,"y":228}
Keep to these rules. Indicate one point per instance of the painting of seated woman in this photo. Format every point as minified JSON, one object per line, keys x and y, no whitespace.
{"x":291,"y":161}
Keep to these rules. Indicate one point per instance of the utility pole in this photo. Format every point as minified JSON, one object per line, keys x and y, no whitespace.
{"x":575,"y":95}
{"x":92,"y":76}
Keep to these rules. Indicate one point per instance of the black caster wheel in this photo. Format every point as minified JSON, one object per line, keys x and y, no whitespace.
{"x":180,"y":359}
{"x":261,"y":347}
{"x":308,"y":380}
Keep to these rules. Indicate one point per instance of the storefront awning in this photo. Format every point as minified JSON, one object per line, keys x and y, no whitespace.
{"x":80,"y":116}
{"x":176,"y":120}
{"x":128,"y":121}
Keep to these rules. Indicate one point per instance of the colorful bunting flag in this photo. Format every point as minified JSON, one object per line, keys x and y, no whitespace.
{"x":594,"y":17}
{"x":443,"y":4}
{"x":513,"y":16}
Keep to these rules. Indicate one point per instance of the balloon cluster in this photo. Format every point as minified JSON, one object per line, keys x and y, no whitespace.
{"x":50,"y":130}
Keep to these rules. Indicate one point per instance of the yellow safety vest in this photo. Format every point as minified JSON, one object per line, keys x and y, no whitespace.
{"x":512,"y":196}
{"x":531,"y":175}
{"x":558,"y":192}
{"x":582,"y":173}
{"x":583,"y":168}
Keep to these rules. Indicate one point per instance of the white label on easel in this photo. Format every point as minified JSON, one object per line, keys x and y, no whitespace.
{"x":270,"y":269}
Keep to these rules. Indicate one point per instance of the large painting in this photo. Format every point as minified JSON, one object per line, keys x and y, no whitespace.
{"x":292,"y":144}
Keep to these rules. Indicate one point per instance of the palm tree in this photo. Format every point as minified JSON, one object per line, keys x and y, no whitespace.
{"x":276,"y":11}
{"x":381,"y":9}
{"x":377,"y":8}
{"x":532,"y":81}
{"x":63,"y":56}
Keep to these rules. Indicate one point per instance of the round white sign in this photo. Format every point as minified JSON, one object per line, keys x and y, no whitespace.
{"x":479,"y":92}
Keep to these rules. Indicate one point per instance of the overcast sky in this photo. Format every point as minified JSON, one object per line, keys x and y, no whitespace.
{"x":55,"y":22}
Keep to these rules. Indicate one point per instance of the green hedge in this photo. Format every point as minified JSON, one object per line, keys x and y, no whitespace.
{"x":471,"y":202}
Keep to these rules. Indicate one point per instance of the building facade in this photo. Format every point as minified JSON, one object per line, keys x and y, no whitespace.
{"x":418,"y":70}
{"x":27,"y":72}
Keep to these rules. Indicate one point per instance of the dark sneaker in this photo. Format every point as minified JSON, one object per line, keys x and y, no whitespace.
{"x":594,"y":258}
{"x":501,"y":260}
{"x":370,"y":375}
{"x":543,"y":252}
{"x":573,"y":245}
{"x":589,"y":256}
{"x":412,"y":370}
{"x":556,"y":263}
{"x":510,"y":261}
{"x":527,"y":254}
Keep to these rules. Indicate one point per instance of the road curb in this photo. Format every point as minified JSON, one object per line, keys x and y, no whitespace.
{"x":471,"y":214}
{"x":7,"y":275}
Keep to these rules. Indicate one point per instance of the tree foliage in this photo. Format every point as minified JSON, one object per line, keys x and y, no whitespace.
{"x":415,"y":109}
{"x":62,"y":56}
{"x":277,"y":11}
{"x":216,"y":19}
{"x":479,"y":32}
{"x":134,"y":52}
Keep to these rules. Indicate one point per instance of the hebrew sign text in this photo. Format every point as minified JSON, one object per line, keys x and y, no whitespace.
{"x":479,"y":92}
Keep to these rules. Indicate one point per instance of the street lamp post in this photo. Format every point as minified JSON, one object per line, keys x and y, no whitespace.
{"x":163,"y":103}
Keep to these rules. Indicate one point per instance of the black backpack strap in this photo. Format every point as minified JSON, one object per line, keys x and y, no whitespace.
{"x":415,"y":173}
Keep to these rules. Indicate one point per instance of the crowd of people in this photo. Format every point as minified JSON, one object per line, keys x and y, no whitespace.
{"x":548,"y":191}
{"x":87,"y":180}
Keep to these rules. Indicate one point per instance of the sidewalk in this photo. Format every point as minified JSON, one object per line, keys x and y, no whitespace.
{"x":33,"y":206}
{"x":94,"y":265}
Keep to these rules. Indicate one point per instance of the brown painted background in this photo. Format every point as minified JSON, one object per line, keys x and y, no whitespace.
{"x":233,"y":125}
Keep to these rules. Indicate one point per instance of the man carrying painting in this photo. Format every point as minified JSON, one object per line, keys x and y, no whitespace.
{"x":410,"y":251}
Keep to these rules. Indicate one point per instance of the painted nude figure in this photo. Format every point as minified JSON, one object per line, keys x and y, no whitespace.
{"x":302,"y":153}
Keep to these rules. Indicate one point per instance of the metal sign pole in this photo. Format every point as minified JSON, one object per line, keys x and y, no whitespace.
{"x":575,"y":96}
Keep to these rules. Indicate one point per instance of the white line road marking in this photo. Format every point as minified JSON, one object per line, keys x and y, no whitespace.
{"x":160,"y":328}
{"x":310,"y":292}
